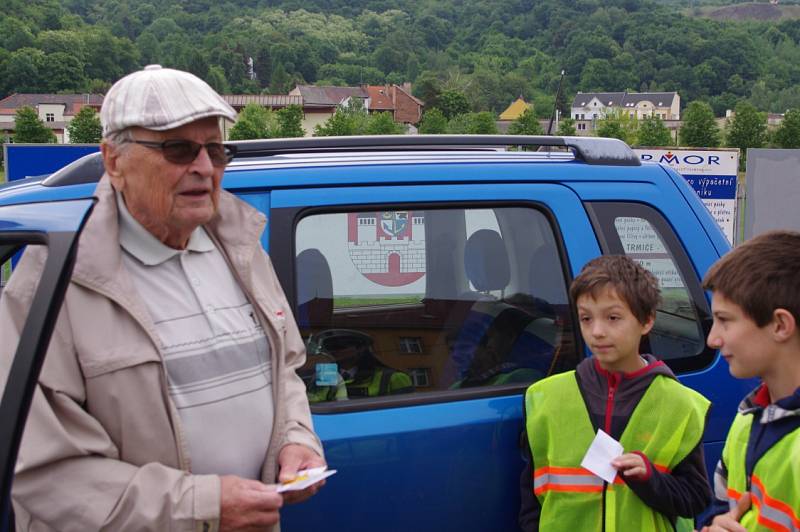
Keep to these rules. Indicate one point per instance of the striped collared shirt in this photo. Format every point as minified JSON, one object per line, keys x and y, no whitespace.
{"x":215,"y":351}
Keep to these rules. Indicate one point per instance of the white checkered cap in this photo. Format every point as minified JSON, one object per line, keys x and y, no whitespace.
{"x":160,"y":98}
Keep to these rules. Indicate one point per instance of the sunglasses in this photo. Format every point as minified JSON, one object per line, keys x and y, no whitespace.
{"x":181,"y":151}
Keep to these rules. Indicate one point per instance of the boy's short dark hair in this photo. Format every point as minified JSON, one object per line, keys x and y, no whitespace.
{"x":761,"y":275}
{"x":633,"y":283}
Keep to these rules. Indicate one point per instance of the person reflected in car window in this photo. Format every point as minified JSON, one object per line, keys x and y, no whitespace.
{"x":168,"y":399}
{"x":363,"y":373}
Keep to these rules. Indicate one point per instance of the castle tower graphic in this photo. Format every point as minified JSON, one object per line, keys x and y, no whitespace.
{"x":387,"y":247}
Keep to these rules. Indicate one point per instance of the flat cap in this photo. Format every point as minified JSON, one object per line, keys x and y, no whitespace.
{"x":160,"y":98}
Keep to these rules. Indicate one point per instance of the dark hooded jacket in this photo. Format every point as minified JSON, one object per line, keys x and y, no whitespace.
{"x":610,"y":399}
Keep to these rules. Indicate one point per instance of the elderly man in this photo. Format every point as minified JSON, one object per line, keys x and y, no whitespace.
{"x":168,"y":399}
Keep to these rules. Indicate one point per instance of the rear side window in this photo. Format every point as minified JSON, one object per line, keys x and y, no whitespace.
{"x":399,"y":303}
{"x":682,"y":319}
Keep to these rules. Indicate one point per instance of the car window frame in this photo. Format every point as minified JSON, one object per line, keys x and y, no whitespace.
{"x":60,"y":236}
{"x":602,"y":215}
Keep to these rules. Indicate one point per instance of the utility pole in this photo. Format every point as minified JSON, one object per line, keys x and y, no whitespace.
{"x":555,"y":103}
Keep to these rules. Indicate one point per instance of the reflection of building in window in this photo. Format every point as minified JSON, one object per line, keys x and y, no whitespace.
{"x":411,"y":344}
{"x":420,"y":376}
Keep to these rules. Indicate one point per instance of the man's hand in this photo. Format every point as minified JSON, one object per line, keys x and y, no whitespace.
{"x":729,"y":522}
{"x":247,"y":505}
{"x":630,"y":465}
{"x":292,"y":459}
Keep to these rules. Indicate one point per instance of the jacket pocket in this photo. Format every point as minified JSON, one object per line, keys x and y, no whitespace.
{"x":106,"y":359}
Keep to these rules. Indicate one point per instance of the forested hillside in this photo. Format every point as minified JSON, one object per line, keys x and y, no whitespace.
{"x":493,"y":51}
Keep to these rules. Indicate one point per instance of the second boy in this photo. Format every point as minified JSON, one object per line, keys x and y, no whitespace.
{"x":635,"y":399}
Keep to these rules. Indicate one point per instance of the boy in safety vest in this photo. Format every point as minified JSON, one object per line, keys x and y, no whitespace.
{"x":756,"y":307}
{"x":661,"y":480}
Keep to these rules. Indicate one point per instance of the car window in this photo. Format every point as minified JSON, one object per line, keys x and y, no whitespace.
{"x":402,"y":302}
{"x":678,"y":336}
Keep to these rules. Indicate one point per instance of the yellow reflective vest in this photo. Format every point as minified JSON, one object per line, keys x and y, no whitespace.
{"x":666,"y":426}
{"x":775,"y":483}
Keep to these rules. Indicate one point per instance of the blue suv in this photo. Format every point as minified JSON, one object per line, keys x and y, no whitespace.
{"x":429,"y":277}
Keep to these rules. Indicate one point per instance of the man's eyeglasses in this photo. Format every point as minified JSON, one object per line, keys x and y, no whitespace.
{"x":181,"y":151}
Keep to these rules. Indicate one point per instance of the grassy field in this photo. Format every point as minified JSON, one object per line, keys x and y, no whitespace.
{"x":350,"y":302}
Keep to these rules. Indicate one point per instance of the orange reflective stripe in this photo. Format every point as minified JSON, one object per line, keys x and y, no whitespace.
{"x":572,"y":488}
{"x":733,"y":494}
{"x":771,"y":509}
{"x":764,"y":520}
{"x":565,"y":479}
{"x":562,"y":471}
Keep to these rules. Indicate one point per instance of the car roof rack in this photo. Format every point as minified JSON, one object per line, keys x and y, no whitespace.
{"x":590,"y":150}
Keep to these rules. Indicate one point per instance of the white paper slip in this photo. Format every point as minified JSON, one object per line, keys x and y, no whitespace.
{"x":305,"y":478}
{"x":598,"y":457}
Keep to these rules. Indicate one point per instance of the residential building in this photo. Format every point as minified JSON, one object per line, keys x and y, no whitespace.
{"x":589,"y":107}
{"x":55,"y":110}
{"x":319,"y":103}
{"x":395,"y":99}
{"x":275,"y":102}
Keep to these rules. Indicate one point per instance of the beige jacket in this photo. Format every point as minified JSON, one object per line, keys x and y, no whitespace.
{"x":103,"y":447}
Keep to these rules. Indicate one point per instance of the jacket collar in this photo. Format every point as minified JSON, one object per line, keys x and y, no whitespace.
{"x":757,"y":402}
{"x":652,"y":365}
{"x":236,"y":230}
{"x":150,"y":251}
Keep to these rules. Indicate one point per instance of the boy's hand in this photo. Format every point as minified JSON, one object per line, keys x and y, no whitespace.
{"x":631,"y":465}
{"x":729,"y":522}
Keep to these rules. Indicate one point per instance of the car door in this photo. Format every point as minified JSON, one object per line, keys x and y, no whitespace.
{"x":56,"y":225}
{"x":446,"y":285}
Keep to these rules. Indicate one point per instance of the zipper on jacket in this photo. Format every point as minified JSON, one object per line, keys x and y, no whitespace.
{"x":613,"y":384}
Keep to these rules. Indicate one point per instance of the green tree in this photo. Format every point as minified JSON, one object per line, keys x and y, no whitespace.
{"x":459,"y":124}
{"x":280,"y":79}
{"x":482,"y":123}
{"x":653,"y":132}
{"x":290,"y":120}
{"x":526,"y":124}
{"x":383,"y":124}
{"x":428,"y":87}
{"x":699,"y":129}
{"x":14,"y":34}
{"x":788,"y":133}
{"x":216,"y":78}
{"x":347,"y":120}
{"x":566,"y":127}
{"x":748,"y":129}
{"x":619,"y":126}
{"x":452,"y":103}
{"x":433,"y":122}
{"x":254,"y":122}
{"x":85,"y":127}
{"x":28,"y":127}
